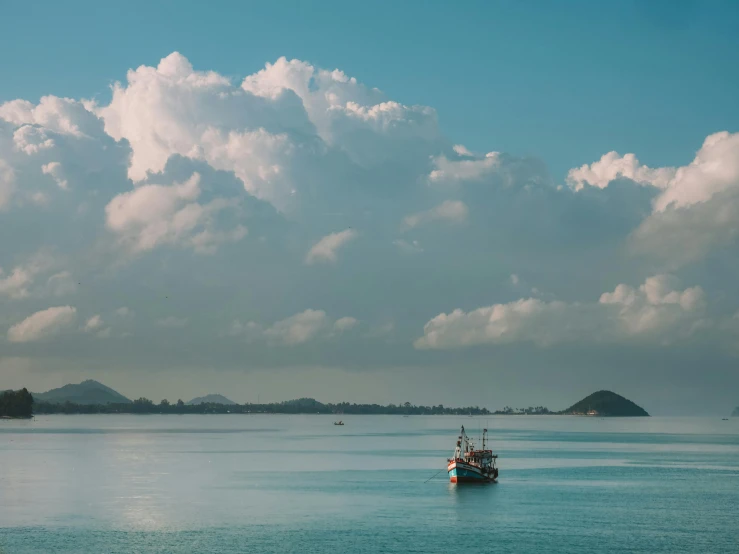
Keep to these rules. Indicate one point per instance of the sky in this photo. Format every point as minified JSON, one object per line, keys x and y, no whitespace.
{"x":465,"y":203}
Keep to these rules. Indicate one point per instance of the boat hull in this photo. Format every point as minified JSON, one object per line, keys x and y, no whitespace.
{"x":460,"y":472}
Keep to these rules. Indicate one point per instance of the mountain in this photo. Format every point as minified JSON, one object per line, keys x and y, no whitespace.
{"x":211,"y":399}
{"x":87,"y":392}
{"x":606,"y":403}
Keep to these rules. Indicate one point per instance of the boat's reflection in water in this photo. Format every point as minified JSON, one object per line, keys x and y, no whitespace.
{"x":475,"y":493}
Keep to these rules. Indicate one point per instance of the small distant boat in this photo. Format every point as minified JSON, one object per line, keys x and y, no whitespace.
{"x":472,"y":466}
{"x":724,"y":419}
{"x":338,"y":423}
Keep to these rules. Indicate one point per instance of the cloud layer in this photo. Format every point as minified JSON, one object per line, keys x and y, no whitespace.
{"x":200,"y":201}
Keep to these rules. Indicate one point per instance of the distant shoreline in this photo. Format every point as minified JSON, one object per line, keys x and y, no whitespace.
{"x":336,"y":414}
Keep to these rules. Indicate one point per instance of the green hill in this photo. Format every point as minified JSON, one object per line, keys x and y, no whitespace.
{"x":211,"y":399}
{"x":605,"y":403}
{"x":86,"y":393}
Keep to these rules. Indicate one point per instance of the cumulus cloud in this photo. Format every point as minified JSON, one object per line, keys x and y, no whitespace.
{"x":715,"y":169}
{"x":452,"y":211}
{"x":93,"y":324}
{"x":613,"y":166}
{"x":345,"y":323}
{"x":42,"y":324}
{"x":297,"y":329}
{"x":359,"y":120}
{"x":269,"y":132}
{"x":174,"y":162}
{"x":697,"y":207}
{"x":16,"y":283}
{"x":654,"y":310}
{"x":54,"y":169}
{"x":151,"y":215}
{"x":326,"y":249}
{"x":468,"y":168}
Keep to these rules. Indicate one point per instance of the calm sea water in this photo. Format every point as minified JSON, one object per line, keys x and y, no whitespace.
{"x":259,"y":483}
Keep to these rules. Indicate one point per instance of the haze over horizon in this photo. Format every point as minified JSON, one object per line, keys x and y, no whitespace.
{"x":273,"y":204}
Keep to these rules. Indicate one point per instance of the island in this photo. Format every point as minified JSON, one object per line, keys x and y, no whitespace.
{"x":211,"y":399}
{"x":16,"y":404}
{"x":607,"y":404}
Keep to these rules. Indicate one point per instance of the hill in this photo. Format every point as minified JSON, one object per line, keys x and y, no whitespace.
{"x":735,"y":413}
{"x":85,"y":393}
{"x":211,"y":399}
{"x":605,"y":403}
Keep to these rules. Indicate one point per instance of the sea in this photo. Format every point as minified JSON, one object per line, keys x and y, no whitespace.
{"x":297,"y":483}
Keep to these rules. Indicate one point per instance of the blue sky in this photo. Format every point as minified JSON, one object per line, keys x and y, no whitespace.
{"x":348,"y":200}
{"x":563,"y":81}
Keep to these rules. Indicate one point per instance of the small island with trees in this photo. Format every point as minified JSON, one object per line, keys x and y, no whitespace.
{"x":606,"y":404}
{"x":16,"y":404}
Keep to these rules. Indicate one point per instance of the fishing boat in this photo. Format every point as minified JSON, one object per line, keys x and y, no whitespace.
{"x":472,"y":466}
{"x":338,"y":423}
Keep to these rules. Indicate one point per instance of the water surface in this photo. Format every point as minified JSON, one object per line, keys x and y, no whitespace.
{"x":282,"y":483}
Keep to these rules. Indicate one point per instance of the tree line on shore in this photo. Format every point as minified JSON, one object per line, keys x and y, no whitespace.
{"x":299,"y":406}
{"x":16,"y":403}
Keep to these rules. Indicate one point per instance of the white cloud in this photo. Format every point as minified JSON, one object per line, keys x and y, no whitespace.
{"x":17,"y":283}
{"x":55,"y":170}
{"x":514,"y":279}
{"x":325,"y":250}
{"x":345,"y":323}
{"x":64,"y":116}
{"x":297,"y":329}
{"x":715,"y":169}
{"x":656,"y":310}
{"x":94,"y":323}
{"x":173,"y":322}
{"x":270,"y":132}
{"x":461,"y":150}
{"x":347,"y":115}
{"x":42,"y":324}
{"x":32,"y":140}
{"x":454,"y":171}
{"x":124,"y":311}
{"x":452,"y":211}
{"x":151,"y":215}
{"x":697,"y":208}
{"x":612,"y":166}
